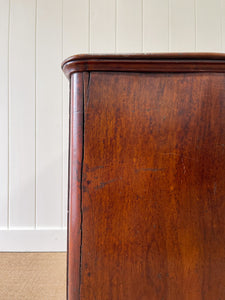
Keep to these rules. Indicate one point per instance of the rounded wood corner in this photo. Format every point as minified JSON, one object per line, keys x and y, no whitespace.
{"x":145,"y":62}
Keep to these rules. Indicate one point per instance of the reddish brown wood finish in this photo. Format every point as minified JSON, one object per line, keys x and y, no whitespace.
{"x":172,"y":62}
{"x":75,"y":176}
{"x":152,"y":175}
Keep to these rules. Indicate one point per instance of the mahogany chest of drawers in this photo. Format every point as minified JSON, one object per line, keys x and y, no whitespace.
{"x":146,"y":177}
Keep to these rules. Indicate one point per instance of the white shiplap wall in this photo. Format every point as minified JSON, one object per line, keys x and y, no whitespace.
{"x":36,"y":35}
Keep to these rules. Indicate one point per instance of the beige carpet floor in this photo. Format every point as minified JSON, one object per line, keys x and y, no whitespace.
{"x":32,"y":276}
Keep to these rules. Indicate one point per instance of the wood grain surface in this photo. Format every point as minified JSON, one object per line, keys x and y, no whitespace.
{"x":153,"y":187}
{"x":75,"y":181}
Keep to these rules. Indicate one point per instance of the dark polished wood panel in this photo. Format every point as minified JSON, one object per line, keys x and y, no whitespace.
{"x":153,"y":190}
{"x":75,"y":181}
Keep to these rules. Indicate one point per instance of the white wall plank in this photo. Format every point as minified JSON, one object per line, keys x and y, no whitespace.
{"x":182,"y":25}
{"x":65,"y":153}
{"x":155,"y":26}
{"x":223,"y":24}
{"x":75,"y":27}
{"x":102,"y":26}
{"x":49,"y":114}
{"x":208,"y":25}
{"x":129,"y":34}
{"x":75,"y":41}
{"x":22,"y":113}
{"x":4,"y":34}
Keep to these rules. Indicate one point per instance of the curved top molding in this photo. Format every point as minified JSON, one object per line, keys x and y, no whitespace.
{"x":149,"y":62}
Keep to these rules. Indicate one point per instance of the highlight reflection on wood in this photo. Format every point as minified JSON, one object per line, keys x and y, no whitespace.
{"x":152,"y":205}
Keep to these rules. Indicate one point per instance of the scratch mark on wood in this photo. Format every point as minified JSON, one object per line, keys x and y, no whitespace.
{"x":184,"y":168}
{"x":149,"y":170}
{"x":177,"y":154}
{"x":103,"y":184}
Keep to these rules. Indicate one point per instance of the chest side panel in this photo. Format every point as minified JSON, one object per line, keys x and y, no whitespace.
{"x":153,"y":191}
